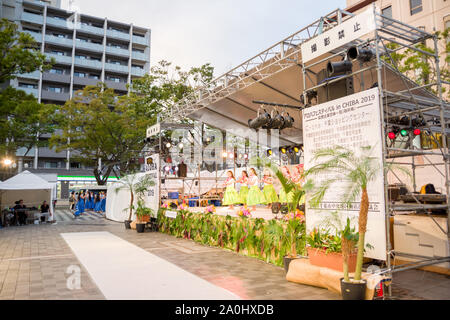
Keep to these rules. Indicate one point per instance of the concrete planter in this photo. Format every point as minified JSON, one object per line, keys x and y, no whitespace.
{"x":332,"y":260}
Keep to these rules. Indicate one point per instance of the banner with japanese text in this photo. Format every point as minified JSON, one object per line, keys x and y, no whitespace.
{"x":351,"y":122}
{"x":152,"y":169}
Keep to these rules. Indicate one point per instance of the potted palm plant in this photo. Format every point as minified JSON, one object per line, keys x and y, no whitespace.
{"x":295,"y":227}
{"x":141,"y":213}
{"x":358,"y":171}
{"x":137,"y":184}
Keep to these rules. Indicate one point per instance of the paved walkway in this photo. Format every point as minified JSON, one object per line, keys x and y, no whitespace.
{"x":36,"y":263}
{"x":65,"y":215}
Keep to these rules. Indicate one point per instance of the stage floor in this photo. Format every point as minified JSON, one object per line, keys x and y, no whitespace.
{"x":260,"y":212}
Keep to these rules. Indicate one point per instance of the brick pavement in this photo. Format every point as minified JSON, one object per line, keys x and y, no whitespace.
{"x":34,"y":260}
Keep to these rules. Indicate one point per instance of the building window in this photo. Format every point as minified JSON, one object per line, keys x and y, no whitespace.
{"x":79,"y":74}
{"x":75,"y":165}
{"x":27,"y":85}
{"x":56,"y":71}
{"x":79,"y":56}
{"x":58,"y":53}
{"x":415,"y":6}
{"x":115,"y":79}
{"x":50,"y":165}
{"x":55,"y":89}
{"x":94,"y":76}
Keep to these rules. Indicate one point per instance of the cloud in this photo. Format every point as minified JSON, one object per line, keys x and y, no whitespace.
{"x":222,"y":32}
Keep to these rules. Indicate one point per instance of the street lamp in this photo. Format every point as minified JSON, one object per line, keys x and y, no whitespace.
{"x":7,"y":162}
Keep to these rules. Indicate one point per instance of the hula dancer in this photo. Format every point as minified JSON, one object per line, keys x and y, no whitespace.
{"x":298,"y":178}
{"x":283,"y":197}
{"x":230,"y":197}
{"x":255,"y":196}
{"x":269,"y":191}
{"x":243,"y":191}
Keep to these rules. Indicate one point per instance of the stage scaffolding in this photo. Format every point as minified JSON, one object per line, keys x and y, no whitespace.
{"x":417,"y":100}
{"x":413,"y":99}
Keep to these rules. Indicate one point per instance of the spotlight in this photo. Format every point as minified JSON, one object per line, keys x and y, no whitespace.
{"x":180,"y":145}
{"x":269,"y":152}
{"x":245,"y":156}
{"x":224,"y":154}
{"x":260,"y":121}
{"x":291,"y":150}
{"x":296,"y":149}
{"x":167,"y":168}
{"x":276,"y":123}
{"x":168,"y":145}
{"x":418,"y":122}
{"x":7,"y":162}
{"x":283,"y":150}
{"x":404,"y":121}
{"x":288,"y":122}
{"x":231,"y":155}
{"x":361,"y":54}
{"x":404,"y":132}
{"x":417,"y":132}
{"x":343,"y":66}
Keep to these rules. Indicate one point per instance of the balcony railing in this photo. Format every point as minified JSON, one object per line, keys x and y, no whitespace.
{"x":36,"y":35}
{"x":140,"y":40}
{"x":57,"y":22}
{"x":118,"y":51}
{"x":89,"y":46}
{"x":88,"y":63}
{"x":33,"y":91}
{"x":58,"y":40}
{"x":31,"y":75}
{"x":118,"y":34}
{"x":140,"y":56}
{"x":60,"y":59}
{"x":116,"y":67}
{"x":137,"y":71}
{"x":92,"y":29}
{"x":30,"y":17}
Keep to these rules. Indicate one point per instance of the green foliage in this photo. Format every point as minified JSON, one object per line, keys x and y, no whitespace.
{"x":19,"y":52}
{"x":22,"y":121}
{"x":263,"y":239}
{"x":100,"y":125}
{"x":421,"y":67}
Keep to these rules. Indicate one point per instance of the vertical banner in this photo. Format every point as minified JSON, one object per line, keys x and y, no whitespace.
{"x":152,"y":169}
{"x":351,"y":122}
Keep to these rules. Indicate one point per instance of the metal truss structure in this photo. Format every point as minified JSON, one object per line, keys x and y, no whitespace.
{"x":413,"y":99}
{"x":275,"y":59}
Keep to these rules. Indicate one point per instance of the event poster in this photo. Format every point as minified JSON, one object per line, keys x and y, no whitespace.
{"x":152,"y":169}
{"x":351,"y":122}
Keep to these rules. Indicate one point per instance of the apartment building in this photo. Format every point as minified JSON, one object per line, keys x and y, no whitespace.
{"x":430,"y":15}
{"x":87,"y":50}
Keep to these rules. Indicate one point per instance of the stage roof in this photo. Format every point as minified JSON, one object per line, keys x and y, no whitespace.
{"x":275,"y":75}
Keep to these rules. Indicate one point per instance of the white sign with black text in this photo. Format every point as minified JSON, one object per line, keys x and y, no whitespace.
{"x":351,"y":122}
{"x":171,"y":214}
{"x":349,"y":30}
{"x":152,"y":169}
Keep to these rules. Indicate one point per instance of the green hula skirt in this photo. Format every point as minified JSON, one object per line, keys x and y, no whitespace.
{"x":285,"y":199}
{"x":230,"y":196}
{"x":270,"y":194}
{"x":243,"y":192}
{"x":255,"y":196}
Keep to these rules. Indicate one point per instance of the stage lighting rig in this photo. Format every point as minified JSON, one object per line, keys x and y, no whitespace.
{"x":336,"y":68}
{"x":362,"y":54}
{"x":260,"y":120}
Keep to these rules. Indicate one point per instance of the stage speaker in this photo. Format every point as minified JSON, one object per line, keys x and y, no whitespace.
{"x":334,"y":90}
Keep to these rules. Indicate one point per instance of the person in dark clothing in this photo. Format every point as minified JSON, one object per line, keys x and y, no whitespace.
{"x":19,"y":208}
{"x":45,"y":210}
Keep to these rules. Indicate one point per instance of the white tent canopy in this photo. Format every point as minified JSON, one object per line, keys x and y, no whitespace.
{"x":30,"y":188}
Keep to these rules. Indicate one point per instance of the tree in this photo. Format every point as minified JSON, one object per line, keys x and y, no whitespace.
{"x":23,"y":121}
{"x":19,"y":52}
{"x":98,"y":124}
{"x":421,"y":67}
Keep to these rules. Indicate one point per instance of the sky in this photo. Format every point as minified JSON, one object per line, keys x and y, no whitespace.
{"x":224,"y":33}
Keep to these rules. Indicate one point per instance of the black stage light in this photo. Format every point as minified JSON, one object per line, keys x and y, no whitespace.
{"x":277,"y":122}
{"x":419,"y":122}
{"x":269,"y":152}
{"x":404,"y":121}
{"x":362,"y":54}
{"x":288,"y":122}
{"x":259,"y":121}
{"x":334,"y":68}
